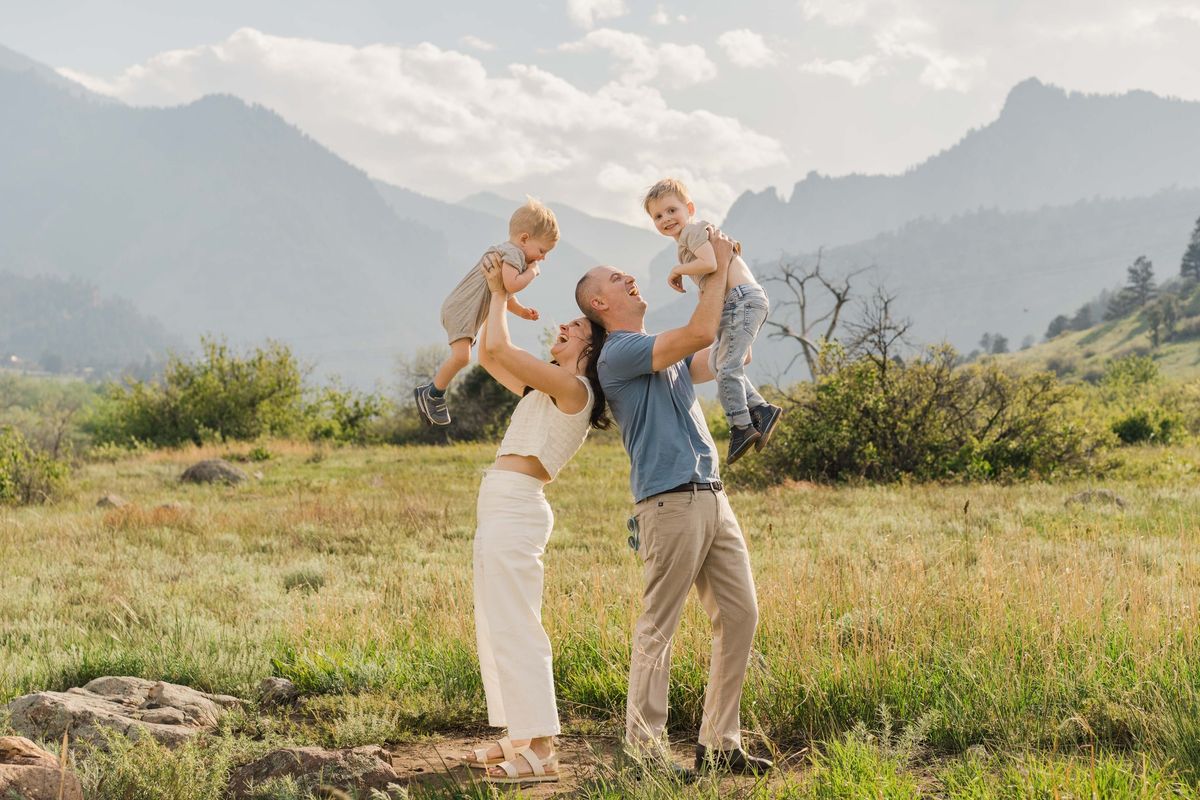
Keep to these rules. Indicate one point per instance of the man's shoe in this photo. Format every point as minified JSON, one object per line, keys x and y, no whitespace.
{"x":740,"y":441}
{"x":765,"y":418}
{"x":432,"y":409}
{"x":736,"y":761}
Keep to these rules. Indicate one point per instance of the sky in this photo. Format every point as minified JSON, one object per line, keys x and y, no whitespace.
{"x":588,"y":102}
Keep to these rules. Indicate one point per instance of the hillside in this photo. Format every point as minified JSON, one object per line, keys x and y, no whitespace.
{"x":1083,"y":354}
{"x":1047,"y":147}
{"x":67,"y":326}
{"x":217,"y":217}
{"x":994,"y":271}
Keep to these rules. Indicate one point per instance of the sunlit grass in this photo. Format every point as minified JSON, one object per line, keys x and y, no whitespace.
{"x":1044,"y":633}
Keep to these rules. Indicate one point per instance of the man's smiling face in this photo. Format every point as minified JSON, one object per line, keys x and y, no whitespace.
{"x":619,"y":291}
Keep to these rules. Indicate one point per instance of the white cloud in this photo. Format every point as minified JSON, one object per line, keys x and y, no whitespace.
{"x":477,"y":43}
{"x":745,"y":48}
{"x":660,"y":16}
{"x":857,"y":72}
{"x":436,"y":121}
{"x":834,"y":12}
{"x":586,"y":13}
{"x":640,"y":61}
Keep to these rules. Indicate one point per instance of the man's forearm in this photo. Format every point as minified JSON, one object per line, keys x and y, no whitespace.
{"x":707,"y":315}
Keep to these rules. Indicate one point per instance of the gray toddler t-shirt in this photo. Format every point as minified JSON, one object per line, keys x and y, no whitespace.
{"x":662,"y":426}
{"x":466,"y":307}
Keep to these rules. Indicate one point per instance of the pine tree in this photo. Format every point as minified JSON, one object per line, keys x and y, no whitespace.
{"x":1189,"y":268}
{"x":1058,"y":325}
{"x":1141,"y":285}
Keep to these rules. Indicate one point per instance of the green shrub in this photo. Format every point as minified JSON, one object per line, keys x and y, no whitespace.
{"x":1147,"y":426}
{"x":480,"y":408}
{"x":26,"y":475}
{"x":928,"y":419}
{"x":143,"y":769}
{"x":220,"y":396}
{"x":344,"y":415}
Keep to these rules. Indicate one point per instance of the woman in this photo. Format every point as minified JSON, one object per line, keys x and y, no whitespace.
{"x":559,"y":401}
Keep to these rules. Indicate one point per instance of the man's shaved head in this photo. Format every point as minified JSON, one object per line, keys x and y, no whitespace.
{"x":585,"y":290}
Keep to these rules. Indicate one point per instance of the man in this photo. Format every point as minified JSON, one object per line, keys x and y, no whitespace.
{"x":684,"y":530}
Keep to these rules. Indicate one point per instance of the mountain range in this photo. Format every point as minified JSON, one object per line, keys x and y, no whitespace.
{"x":221,"y":217}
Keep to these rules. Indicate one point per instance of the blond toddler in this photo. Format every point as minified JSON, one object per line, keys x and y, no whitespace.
{"x":532,"y":233}
{"x":752,"y":420}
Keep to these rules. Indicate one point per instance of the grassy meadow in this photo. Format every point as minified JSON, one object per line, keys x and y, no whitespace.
{"x":950,"y":641}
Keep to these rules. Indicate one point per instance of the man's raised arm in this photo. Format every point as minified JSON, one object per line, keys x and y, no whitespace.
{"x":679,"y":343}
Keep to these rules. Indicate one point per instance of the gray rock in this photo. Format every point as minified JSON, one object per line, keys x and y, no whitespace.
{"x":358,"y":769}
{"x":112,"y":501}
{"x":27,"y":771}
{"x":215,"y":470}
{"x":277,"y":692}
{"x":1096,"y":497}
{"x":169,"y":713}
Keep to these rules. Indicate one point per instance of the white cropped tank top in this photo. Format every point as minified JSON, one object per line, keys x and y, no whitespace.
{"x":539,"y":429}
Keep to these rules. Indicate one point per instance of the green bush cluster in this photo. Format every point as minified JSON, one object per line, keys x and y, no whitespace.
{"x":1140,"y":407}
{"x":224,"y":396}
{"x":926,"y":419}
{"x":480,"y":408}
{"x":27,"y":476}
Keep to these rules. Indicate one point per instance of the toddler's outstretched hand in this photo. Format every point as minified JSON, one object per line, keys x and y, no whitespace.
{"x":528,"y":313}
{"x":675,"y":281}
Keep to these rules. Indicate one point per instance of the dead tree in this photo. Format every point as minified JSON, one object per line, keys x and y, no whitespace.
{"x":877,"y":334}
{"x":810,"y":332}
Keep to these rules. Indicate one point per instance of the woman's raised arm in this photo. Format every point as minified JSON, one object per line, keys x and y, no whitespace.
{"x":568,"y":392}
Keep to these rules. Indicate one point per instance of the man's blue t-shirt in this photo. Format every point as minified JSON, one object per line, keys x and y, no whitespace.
{"x":662,"y":426}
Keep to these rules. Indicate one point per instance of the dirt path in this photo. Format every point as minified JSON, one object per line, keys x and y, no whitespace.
{"x":581,"y":759}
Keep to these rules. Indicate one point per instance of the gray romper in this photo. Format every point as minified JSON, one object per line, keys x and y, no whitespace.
{"x":466,"y":307}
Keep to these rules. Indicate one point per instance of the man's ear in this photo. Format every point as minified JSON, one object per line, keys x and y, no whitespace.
{"x":598,"y":303}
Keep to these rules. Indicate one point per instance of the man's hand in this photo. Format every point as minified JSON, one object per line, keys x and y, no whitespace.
{"x":675,"y":280}
{"x":524,"y":312}
{"x":723,"y":246}
{"x":492,"y":266}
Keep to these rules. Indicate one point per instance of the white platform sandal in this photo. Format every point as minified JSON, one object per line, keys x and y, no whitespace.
{"x":479,"y":759}
{"x":540,"y":774}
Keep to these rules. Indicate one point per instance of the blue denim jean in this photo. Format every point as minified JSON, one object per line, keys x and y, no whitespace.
{"x":745,"y":311}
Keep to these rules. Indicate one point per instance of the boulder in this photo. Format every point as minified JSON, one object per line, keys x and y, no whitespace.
{"x":358,"y":769}
{"x":214,"y":470}
{"x":169,"y":713}
{"x":112,"y":501}
{"x":27,"y":771}
{"x":277,"y":692}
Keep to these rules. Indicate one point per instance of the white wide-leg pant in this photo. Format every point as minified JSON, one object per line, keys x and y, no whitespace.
{"x":514,"y":524}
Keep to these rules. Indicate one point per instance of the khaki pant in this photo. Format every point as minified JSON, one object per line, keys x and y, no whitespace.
{"x":691,"y":538}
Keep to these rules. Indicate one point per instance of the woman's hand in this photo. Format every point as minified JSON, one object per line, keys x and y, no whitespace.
{"x":493,"y":270}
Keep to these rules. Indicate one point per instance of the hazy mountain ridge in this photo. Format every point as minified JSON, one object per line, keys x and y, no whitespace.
{"x":992,"y":271}
{"x":216,"y":216}
{"x":1047,"y":147}
{"x":68,"y":326}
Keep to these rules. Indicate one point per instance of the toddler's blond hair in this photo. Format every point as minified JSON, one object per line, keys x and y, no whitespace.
{"x":535,"y":219}
{"x":665,"y":188}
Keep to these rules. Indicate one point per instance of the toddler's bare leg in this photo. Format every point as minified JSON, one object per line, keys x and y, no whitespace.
{"x":460,"y":356}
